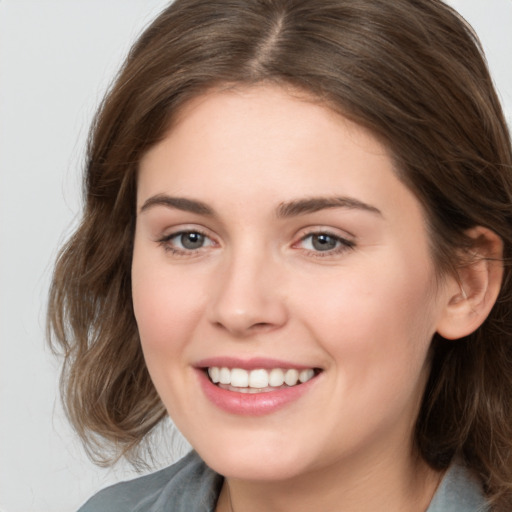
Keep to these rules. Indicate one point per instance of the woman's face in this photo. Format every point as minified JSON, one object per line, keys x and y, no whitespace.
{"x":274,"y":241}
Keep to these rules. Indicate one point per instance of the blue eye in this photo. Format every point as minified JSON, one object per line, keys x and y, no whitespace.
{"x":325,"y":243}
{"x":186,"y":241}
{"x":190,"y":241}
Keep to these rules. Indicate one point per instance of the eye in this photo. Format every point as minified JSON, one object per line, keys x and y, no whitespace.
{"x":191,"y":240}
{"x":186,"y":241}
{"x":324,"y":242}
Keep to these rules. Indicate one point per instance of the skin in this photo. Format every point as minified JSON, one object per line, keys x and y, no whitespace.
{"x":364,"y":313}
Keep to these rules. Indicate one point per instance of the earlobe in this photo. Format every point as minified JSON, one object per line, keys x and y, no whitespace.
{"x":472,"y":293}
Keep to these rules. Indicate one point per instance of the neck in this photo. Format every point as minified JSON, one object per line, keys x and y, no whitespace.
{"x":401,"y":486}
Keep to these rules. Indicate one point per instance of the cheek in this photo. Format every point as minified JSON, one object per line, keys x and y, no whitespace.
{"x":166,"y":307}
{"x":366,"y":304}
{"x":376,"y":324}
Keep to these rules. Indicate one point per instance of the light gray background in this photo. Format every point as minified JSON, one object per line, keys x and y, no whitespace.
{"x":56,"y":60}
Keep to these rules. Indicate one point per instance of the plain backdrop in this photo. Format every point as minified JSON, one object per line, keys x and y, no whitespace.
{"x":56,"y":60}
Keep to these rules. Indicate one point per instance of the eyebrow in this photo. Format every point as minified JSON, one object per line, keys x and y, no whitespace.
{"x":179,"y":203}
{"x":284,"y":210}
{"x":315,"y":204}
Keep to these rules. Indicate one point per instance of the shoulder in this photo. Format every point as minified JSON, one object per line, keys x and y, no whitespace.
{"x":459,"y":491}
{"x":189,"y":485}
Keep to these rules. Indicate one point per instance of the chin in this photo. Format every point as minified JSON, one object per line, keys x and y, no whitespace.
{"x":255,"y":470}
{"x":255,"y":461}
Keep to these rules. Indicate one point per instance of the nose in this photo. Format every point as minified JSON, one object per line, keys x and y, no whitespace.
{"x":249,"y":297}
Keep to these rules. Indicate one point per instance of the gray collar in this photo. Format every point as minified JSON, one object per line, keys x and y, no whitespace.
{"x":459,"y":491}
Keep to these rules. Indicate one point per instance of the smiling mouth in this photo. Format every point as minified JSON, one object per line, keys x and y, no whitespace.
{"x":259,"y":380}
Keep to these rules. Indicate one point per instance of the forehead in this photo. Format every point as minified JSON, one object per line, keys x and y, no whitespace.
{"x":268,"y":129}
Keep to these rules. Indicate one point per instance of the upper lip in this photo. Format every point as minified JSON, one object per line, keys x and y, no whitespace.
{"x":249,"y":364}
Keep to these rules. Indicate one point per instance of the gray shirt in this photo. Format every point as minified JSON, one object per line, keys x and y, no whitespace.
{"x":191,"y":486}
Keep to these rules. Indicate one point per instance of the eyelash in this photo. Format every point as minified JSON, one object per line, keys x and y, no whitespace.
{"x":166,"y":243}
{"x":342,"y":244}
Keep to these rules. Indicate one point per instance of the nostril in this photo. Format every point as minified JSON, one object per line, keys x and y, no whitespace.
{"x":261,"y":326}
{"x":256,"y":327}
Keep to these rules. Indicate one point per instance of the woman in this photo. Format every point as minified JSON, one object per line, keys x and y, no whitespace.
{"x":294,"y":243}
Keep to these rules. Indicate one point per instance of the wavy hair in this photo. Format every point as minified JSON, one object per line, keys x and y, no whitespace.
{"x":410,"y":71}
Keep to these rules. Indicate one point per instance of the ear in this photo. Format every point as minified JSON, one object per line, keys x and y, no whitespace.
{"x":471,"y":294}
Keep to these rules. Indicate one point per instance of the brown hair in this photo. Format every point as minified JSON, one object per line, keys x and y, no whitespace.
{"x":412,"y":72}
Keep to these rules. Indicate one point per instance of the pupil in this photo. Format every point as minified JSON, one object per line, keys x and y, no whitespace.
{"x":324,"y":242}
{"x":192,"y":240}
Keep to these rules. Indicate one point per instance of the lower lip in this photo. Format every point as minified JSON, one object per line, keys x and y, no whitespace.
{"x":252,"y":404}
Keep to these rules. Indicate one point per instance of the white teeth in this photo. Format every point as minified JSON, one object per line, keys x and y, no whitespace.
{"x":291,"y":377}
{"x":240,"y":378}
{"x":214,"y":372}
{"x":276,"y":377}
{"x":306,"y":375}
{"x":225,"y":376}
{"x":260,"y":378}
